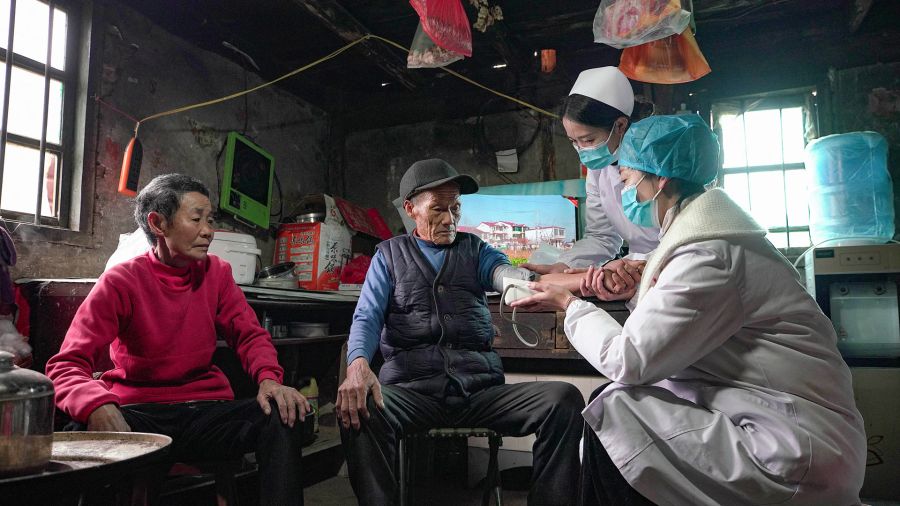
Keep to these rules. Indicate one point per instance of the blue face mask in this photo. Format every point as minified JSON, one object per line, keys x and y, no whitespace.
{"x":596,"y":157}
{"x":642,"y":214}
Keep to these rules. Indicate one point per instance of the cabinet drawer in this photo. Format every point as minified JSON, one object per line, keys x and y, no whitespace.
{"x":545,"y":323}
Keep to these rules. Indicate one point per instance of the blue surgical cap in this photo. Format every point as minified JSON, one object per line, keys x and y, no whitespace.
{"x":680,"y":146}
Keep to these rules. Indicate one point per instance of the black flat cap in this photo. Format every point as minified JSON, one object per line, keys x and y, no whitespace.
{"x":431,"y":173}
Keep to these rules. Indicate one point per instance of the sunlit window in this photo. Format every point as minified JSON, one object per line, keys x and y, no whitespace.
{"x":763,"y":167}
{"x":35,"y":88}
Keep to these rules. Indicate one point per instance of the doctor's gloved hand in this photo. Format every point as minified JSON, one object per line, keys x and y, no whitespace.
{"x":353,"y":392}
{"x":557,"y":268}
{"x":549,"y":297}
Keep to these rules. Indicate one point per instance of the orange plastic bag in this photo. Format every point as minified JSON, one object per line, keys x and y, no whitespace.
{"x":446,"y":23}
{"x":671,"y":60}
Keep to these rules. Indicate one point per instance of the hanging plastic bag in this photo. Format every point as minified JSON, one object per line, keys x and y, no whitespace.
{"x":627,"y":23}
{"x":424,"y":53}
{"x":446,"y":23}
{"x":671,"y":60}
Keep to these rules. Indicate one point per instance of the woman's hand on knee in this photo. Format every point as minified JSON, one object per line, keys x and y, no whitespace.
{"x":291,"y":403}
{"x":354,"y":391}
{"x":107,"y":417}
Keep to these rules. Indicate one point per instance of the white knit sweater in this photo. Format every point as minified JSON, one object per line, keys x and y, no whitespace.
{"x":711,"y":215}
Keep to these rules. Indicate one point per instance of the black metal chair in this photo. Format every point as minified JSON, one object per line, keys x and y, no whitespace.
{"x":492,"y":480}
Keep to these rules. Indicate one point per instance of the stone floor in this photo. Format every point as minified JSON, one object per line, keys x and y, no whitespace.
{"x":337,"y":492}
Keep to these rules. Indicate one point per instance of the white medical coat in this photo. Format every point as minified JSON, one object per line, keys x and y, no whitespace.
{"x":606,"y":224}
{"x":728,"y":385}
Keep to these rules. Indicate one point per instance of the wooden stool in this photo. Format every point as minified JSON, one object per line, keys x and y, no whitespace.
{"x":491,"y":481}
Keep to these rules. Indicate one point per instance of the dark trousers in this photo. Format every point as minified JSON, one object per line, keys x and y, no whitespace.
{"x":550,"y":410}
{"x":214,"y":430}
{"x":602,"y":484}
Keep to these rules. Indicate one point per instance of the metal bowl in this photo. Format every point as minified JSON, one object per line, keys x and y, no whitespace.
{"x":282,"y":270}
{"x":307,"y":329}
{"x":311,"y":217}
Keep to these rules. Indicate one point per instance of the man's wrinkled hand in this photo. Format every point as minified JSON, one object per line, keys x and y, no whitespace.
{"x":597,"y":282}
{"x":623,"y":274}
{"x":291,"y":403}
{"x":107,"y":417}
{"x":557,"y":268}
{"x":353,"y":393}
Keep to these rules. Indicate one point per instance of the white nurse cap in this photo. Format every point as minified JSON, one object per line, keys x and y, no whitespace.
{"x":608,"y":85}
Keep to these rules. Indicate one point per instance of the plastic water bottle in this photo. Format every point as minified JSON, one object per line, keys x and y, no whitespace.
{"x":311,"y":392}
{"x":851,"y":198}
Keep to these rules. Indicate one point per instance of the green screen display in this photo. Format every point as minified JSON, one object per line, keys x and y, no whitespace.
{"x":247,"y":182}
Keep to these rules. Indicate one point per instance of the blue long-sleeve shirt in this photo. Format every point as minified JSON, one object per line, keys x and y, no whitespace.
{"x":368,"y":319}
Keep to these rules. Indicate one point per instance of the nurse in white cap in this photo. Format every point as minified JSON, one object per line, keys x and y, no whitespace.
{"x":596,"y":115}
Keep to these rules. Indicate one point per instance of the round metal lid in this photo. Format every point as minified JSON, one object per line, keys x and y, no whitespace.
{"x":18,"y":383}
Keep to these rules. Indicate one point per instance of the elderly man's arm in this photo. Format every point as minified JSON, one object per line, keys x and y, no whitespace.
{"x":365,"y":332}
{"x":493,"y":266}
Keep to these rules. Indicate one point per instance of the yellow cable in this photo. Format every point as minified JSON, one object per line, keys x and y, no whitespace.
{"x":471,"y":81}
{"x":326,"y":58}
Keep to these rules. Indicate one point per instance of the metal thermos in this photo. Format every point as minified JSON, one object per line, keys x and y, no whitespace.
{"x":26,"y":418}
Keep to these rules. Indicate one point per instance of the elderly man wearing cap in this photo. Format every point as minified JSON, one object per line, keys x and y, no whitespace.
{"x":718,"y":394}
{"x":424,"y":303}
{"x":596,"y":114}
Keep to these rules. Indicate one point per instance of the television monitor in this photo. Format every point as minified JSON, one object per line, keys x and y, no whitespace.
{"x":518,"y":224}
{"x":247,"y":182}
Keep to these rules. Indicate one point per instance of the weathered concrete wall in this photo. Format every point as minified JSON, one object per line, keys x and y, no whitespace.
{"x":147,"y":70}
{"x":375,"y":160}
{"x":868,"y":98}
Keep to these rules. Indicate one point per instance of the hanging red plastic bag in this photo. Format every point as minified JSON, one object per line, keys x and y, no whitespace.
{"x":445,"y":26}
{"x":627,"y":23}
{"x":672,"y":60}
{"x":424,"y":53}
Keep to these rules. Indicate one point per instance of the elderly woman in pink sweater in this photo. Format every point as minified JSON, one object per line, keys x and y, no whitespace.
{"x":159,"y":315}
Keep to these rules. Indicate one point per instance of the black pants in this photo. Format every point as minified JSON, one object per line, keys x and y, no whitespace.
{"x":550,"y":410}
{"x":602,"y":484}
{"x":212,"y":430}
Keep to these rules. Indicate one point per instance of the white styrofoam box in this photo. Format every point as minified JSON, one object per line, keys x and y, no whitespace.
{"x":877,"y":394}
{"x":585,"y":385}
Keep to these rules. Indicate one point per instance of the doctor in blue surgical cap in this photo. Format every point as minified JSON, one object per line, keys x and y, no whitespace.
{"x":727,"y":385}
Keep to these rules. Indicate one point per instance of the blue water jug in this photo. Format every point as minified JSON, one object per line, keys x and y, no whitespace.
{"x":851,"y":198}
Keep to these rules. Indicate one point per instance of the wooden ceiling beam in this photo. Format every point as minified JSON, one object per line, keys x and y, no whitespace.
{"x":337,"y":19}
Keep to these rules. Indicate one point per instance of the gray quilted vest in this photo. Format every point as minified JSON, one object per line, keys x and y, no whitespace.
{"x":438,"y":330}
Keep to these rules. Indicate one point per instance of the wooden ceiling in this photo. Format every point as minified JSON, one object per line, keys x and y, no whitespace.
{"x":281,"y":35}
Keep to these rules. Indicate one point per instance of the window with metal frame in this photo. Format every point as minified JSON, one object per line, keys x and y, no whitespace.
{"x":36,"y":113}
{"x":763,"y":141}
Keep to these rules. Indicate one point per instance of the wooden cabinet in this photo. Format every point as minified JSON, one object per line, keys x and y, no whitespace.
{"x":552,"y":345}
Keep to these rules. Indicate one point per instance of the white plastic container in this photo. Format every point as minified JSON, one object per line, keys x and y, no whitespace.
{"x":866,"y":318}
{"x":240,"y":251}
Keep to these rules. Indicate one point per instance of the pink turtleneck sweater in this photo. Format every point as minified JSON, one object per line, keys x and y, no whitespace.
{"x":159,"y":324}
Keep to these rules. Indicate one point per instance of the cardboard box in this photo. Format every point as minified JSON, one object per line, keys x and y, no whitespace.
{"x":877,"y":394}
{"x":321,"y":249}
{"x":318,"y":249}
